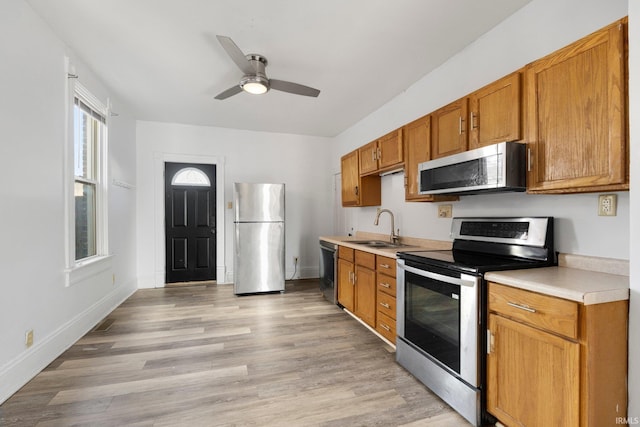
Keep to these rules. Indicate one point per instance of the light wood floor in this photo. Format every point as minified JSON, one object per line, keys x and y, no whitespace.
{"x":200,"y":356}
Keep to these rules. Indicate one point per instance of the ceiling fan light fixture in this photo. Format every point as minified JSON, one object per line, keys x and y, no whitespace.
{"x":255,"y":85}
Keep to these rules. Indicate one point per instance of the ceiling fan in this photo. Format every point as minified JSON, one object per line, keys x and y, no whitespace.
{"x":255,"y":80}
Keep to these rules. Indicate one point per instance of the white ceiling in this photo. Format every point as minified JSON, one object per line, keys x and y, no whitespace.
{"x":161,"y":57}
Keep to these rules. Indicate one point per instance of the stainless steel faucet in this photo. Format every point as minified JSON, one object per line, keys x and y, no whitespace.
{"x":393,"y":237}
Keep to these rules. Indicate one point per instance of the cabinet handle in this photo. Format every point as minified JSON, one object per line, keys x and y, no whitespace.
{"x":385,"y":327}
{"x":473,"y":120}
{"x":490,"y":341}
{"x":385,"y":305}
{"x":522,"y":307}
{"x":356,"y":190}
{"x":460,"y":121}
{"x":528,"y":159}
{"x":385,"y":266}
{"x":379,"y":153}
{"x":373,"y":155}
{"x":385,"y":285}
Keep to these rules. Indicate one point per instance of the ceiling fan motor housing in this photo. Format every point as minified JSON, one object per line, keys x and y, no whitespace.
{"x":257,"y":83}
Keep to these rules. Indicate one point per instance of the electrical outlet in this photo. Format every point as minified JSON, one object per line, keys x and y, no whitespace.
{"x":445,"y":211}
{"x":295,"y":260}
{"x":607,"y":204}
{"x":28,"y":338}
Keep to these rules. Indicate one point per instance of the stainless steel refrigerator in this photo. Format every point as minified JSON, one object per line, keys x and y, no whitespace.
{"x":258,"y":264}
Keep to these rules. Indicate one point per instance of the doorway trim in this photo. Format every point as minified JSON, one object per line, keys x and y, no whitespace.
{"x":159,"y":159}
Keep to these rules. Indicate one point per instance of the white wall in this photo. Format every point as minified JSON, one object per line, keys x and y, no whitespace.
{"x":539,"y":28}
{"x":301,"y":162}
{"x":634,"y":128}
{"x":32,"y":130}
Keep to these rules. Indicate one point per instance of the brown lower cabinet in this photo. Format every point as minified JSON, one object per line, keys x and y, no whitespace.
{"x":367,"y":288}
{"x":386,"y":297}
{"x":554,"y":362}
{"x":357,"y":283}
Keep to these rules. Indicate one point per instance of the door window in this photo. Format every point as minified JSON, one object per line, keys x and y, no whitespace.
{"x":191,"y":176}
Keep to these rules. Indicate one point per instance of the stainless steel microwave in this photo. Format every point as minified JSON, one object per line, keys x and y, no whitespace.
{"x":494,"y":168}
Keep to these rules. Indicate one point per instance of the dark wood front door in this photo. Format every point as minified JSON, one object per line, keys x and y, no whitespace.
{"x":190,"y":222}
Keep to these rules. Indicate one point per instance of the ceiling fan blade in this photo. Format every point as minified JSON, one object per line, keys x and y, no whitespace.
{"x":236,"y":54}
{"x":294,"y":88}
{"x":233,"y":90}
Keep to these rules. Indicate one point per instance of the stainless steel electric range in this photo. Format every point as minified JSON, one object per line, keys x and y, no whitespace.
{"x":441,"y":299}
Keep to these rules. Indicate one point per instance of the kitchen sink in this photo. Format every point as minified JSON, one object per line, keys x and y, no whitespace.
{"x":377,"y":244}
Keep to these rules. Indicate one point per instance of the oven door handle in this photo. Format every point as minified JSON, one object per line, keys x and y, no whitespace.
{"x":464,"y":280}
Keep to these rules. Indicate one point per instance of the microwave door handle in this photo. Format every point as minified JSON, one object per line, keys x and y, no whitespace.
{"x":464,"y":280}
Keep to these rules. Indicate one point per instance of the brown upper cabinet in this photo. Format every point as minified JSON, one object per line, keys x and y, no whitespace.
{"x":383,"y":154}
{"x":417,"y":149}
{"x":417,"y":145}
{"x":358,"y":190}
{"x":449,"y":129}
{"x":495,"y":112}
{"x":576,"y":116}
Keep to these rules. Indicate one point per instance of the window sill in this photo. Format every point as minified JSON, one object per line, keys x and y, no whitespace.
{"x":86,"y":269}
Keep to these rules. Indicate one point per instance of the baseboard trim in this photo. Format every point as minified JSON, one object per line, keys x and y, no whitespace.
{"x":17,"y":372}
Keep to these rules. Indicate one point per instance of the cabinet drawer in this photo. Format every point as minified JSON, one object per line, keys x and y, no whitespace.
{"x":386,"y":265}
{"x":345,"y":253}
{"x":366,"y":259}
{"x":387,"y":284}
{"x":386,"y":326}
{"x":386,"y":304}
{"x":553,"y":314}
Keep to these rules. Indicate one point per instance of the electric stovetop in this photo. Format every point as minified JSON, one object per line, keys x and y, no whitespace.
{"x":467,"y":262}
{"x":491,"y":244}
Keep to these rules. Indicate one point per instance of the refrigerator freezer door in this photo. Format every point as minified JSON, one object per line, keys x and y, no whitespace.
{"x":259,"y":257}
{"x":258,"y":202}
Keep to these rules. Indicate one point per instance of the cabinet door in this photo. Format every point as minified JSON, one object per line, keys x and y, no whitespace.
{"x":390,"y":150}
{"x":449,"y":129}
{"x":417,"y":144}
{"x":533,"y":377}
{"x":576,"y":116}
{"x":368,"y":158}
{"x":495,"y":112}
{"x":366,"y":295}
{"x":350,"y":179}
{"x":346,"y":293}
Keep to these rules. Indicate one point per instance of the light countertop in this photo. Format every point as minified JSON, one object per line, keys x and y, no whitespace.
{"x":584,"y":286}
{"x":412,"y":244}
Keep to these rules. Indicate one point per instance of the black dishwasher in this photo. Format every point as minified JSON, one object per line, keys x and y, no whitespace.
{"x":328,"y":271}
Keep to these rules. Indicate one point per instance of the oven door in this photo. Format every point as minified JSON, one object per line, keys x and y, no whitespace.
{"x":438,"y":314}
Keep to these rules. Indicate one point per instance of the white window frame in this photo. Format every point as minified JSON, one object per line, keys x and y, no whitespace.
{"x":80,"y":270}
